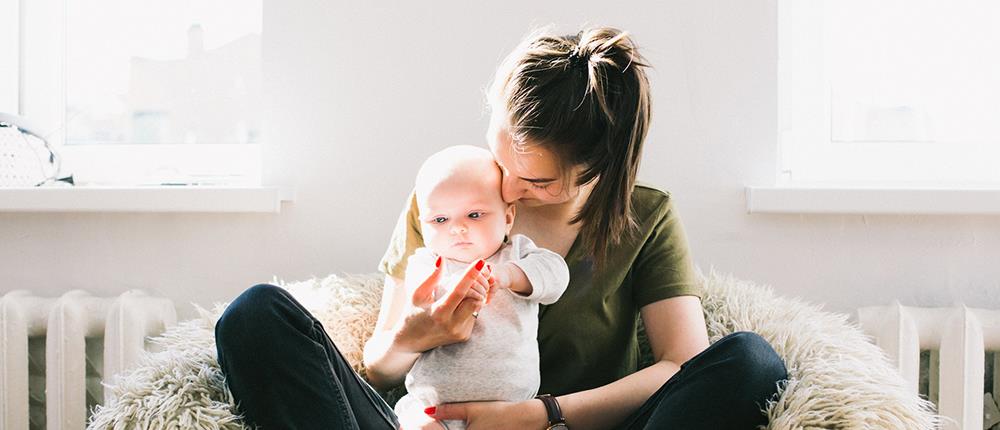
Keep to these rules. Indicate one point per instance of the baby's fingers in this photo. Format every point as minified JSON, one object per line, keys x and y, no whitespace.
{"x":477,"y":295}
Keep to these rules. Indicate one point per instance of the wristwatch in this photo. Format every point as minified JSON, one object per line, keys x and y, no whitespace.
{"x":556,"y":419}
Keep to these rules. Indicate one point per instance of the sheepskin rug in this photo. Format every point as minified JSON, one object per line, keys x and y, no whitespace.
{"x":838,"y":378}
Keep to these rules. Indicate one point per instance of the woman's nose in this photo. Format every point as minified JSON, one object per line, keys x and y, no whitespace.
{"x":510,"y":190}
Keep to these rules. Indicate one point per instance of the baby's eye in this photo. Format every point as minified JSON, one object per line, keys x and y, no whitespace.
{"x":475,"y":215}
{"x":440,"y":220}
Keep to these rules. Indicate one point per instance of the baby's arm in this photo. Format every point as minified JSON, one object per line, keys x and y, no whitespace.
{"x":536,"y":273}
{"x":511,"y":277}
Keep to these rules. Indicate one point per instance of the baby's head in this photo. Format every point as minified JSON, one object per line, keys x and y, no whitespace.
{"x":462,"y":215}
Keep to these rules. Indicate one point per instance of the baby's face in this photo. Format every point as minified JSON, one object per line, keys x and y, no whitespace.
{"x":465,"y":219}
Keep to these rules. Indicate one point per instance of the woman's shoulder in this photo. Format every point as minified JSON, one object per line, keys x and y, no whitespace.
{"x":647,"y":191}
{"x":650,"y":202}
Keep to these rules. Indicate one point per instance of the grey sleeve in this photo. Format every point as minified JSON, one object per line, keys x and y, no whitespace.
{"x":546,"y":271}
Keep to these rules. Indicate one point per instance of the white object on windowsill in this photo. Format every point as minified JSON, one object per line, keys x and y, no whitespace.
{"x":873,"y":200}
{"x":163,"y":198}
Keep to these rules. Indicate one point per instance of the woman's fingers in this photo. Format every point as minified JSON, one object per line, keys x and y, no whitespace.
{"x":491,"y":291}
{"x":484,"y":283}
{"x":491,"y":282}
{"x":480,"y":289}
{"x":477,"y":292}
{"x":472,"y":276}
{"x":423,"y":295}
{"x":466,"y":309}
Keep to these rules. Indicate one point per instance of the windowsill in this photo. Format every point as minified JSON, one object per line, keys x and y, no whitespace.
{"x":144,"y":199}
{"x":847,"y":200}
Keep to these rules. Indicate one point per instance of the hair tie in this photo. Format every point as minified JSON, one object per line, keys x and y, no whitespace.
{"x":575,"y":56}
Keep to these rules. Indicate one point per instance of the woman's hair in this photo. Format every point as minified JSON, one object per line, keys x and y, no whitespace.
{"x":585,"y":97}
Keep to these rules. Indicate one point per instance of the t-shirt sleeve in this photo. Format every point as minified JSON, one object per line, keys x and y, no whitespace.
{"x":406,"y":238}
{"x":663,"y":267}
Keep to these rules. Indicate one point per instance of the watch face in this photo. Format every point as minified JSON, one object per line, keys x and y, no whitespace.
{"x":559,"y":426}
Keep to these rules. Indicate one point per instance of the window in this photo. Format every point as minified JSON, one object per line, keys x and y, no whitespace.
{"x":889,"y":93}
{"x":9,"y":30}
{"x":145,"y":91}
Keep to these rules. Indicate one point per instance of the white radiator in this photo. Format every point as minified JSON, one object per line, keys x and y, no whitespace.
{"x":957,"y":339}
{"x":66,"y":323}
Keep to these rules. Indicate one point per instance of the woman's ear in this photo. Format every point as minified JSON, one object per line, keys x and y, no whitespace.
{"x":510,"y":217}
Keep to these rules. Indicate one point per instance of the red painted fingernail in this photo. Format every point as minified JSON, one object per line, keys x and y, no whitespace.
{"x":479,"y":264}
{"x":438,"y":262}
{"x":430,"y":410}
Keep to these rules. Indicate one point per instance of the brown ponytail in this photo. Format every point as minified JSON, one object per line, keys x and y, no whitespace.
{"x":586,"y":98}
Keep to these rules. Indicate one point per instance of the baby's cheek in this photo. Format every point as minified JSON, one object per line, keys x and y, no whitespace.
{"x":432,"y":239}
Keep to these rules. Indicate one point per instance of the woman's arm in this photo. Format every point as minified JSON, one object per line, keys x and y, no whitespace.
{"x":403,"y":331}
{"x":676,"y":331}
{"x":386,"y":364}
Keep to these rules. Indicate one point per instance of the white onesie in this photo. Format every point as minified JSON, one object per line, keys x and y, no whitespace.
{"x":500,"y":359}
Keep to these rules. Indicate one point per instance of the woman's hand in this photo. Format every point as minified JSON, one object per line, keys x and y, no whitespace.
{"x":529,"y":414}
{"x":417,"y":420}
{"x":422,"y":290}
{"x":411,"y":320}
{"x":431,"y":322}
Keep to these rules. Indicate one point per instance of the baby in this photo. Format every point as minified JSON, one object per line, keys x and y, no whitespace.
{"x":463,"y":219}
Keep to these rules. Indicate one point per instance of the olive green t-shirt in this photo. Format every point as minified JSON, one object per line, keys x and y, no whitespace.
{"x":588,"y":338}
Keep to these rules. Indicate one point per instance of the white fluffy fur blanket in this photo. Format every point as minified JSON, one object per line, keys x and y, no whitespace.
{"x":839,"y":380}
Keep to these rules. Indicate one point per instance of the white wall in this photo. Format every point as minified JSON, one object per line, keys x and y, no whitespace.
{"x":359,"y":93}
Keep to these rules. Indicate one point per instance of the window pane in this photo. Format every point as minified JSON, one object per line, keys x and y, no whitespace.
{"x":9,"y":64}
{"x":914,"y":70}
{"x":163,"y":72}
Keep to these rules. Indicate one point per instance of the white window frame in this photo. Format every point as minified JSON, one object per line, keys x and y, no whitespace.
{"x":810,"y":176}
{"x":10,"y":40}
{"x":41,"y":97}
{"x":808,"y":156}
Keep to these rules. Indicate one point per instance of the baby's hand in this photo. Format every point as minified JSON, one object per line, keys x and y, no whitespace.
{"x":509,"y":277}
{"x":500,"y":277}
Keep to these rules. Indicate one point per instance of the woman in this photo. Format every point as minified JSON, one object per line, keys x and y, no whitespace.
{"x":570,"y":115}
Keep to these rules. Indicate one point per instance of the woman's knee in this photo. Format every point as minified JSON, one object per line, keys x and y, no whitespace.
{"x":755,"y":358}
{"x":249,"y":312}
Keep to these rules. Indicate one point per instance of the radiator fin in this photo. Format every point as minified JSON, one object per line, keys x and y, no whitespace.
{"x":55,"y":352}
{"x":944,"y":354}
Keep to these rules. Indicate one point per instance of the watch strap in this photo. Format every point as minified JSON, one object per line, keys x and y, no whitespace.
{"x":552,"y":409}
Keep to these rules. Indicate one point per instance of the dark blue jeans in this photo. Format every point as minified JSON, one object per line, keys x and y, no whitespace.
{"x":285,"y":373}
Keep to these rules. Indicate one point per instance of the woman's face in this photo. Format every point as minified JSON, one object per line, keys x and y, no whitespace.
{"x":529,"y":175}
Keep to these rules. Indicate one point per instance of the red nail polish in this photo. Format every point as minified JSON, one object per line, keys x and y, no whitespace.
{"x":438,"y":263}
{"x":480,"y":264}
{"x":430,"y":410}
